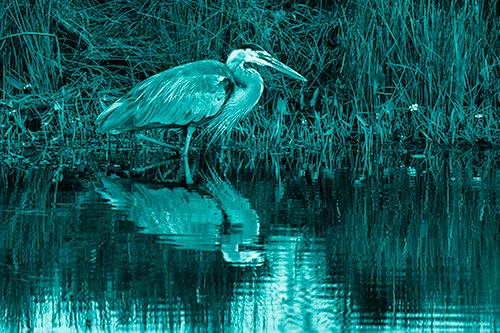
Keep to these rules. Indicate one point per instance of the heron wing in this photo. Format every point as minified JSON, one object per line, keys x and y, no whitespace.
{"x":179,"y":96}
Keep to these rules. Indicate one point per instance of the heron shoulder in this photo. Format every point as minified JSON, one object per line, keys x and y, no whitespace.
{"x":181,"y":95}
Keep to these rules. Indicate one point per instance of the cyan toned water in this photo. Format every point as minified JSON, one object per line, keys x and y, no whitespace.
{"x":415,"y":246}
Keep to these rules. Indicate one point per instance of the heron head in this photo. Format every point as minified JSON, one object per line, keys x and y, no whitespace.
{"x":253,"y":53}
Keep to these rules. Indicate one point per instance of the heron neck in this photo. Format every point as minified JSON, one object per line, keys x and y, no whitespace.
{"x":247,"y":79}
{"x":251,"y":83}
{"x":244,"y":76}
{"x":246,"y":94}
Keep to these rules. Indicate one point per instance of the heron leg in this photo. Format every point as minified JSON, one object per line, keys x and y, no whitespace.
{"x":189,"y":179}
{"x":108,"y":147}
{"x":190,"y":131}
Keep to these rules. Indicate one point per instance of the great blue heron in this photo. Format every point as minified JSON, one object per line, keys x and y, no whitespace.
{"x":205,"y":92}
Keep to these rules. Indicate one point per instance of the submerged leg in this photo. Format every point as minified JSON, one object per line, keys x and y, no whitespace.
{"x":189,"y":179}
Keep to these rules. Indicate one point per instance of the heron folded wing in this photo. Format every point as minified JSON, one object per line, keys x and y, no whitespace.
{"x":113,"y":120}
{"x":182,"y":95}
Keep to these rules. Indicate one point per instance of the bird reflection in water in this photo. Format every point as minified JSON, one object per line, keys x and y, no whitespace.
{"x":209,"y":217}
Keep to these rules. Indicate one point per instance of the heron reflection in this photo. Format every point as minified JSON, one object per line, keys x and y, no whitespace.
{"x":211,"y":217}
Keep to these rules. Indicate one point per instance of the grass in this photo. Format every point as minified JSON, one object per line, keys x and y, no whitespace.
{"x":388,"y":73}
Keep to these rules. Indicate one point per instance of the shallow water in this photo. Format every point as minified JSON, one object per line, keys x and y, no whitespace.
{"x":409,"y":247}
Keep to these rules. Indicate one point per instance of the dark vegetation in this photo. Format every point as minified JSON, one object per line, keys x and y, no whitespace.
{"x":380,"y":72}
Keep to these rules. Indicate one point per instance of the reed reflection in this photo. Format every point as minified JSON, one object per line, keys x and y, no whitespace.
{"x":212,"y":216}
{"x":403,"y":249}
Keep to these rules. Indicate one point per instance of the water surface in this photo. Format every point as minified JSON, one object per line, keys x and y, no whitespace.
{"x":412,"y":246}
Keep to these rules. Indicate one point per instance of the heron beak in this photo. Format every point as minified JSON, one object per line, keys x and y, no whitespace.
{"x":265,"y":59}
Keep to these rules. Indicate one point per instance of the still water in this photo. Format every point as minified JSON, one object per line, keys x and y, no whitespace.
{"x":413,"y":246}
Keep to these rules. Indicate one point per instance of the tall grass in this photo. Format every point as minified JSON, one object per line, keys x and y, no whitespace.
{"x":379,"y":73}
